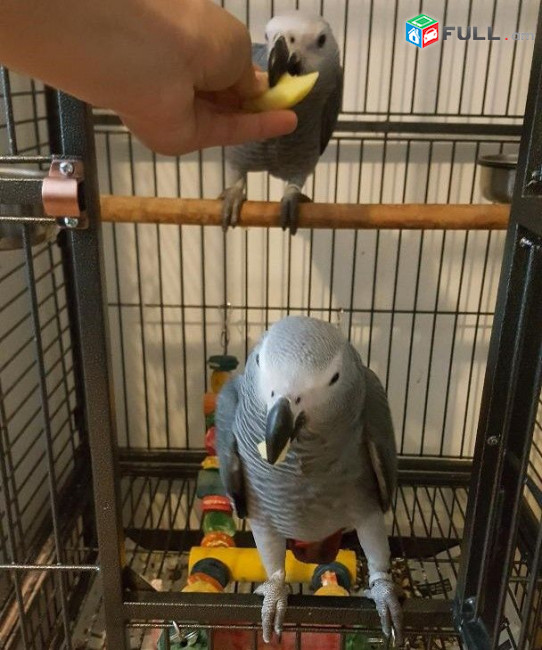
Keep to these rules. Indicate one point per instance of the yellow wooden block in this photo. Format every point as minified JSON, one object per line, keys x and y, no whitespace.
{"x":245,"y":564}
{"x":210,"y":462}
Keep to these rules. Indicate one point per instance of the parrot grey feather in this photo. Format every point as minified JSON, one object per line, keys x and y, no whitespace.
{"x":231,"y":470}
{"x":380,"y":438}
{"x":259,"y":55}
{"x":330,"y":114}
{"x":292,"y":157}
{"x":328,"y":480}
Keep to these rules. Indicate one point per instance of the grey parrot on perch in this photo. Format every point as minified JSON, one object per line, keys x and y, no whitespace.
{"x":307,"y":449}
{"x":297,"y":43}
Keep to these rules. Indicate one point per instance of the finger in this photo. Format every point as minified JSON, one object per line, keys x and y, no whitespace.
{"x":262,"y":79}
{"x":231,"y":98}
{"x":225,"y":99}
{"x":251,"y":83}
{"x":214,"y":127}
{"x":208,"y":126}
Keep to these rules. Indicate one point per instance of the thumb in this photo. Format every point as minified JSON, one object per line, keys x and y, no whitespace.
{"x":252,"y":83}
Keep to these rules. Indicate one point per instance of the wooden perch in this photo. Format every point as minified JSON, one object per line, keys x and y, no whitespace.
{"x":207,"y":212}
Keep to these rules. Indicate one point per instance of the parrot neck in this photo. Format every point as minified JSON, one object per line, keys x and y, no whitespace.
{"x":324,"y":422}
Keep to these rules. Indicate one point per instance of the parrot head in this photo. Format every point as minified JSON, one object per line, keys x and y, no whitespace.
{"x":303,"y":370}
{"x":299,"y":43}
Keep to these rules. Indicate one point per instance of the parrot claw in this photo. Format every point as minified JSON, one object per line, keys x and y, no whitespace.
{"x":232,"y":199}
{"x":289,"y":208}
{"x":389,"y":608}
{"x":275,"y":597}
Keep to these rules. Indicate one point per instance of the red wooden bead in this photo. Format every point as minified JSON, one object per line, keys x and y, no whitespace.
{"x":210,"y":440}
{"x":216,"y":502}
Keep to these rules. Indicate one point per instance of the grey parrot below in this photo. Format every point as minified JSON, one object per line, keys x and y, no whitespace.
{"x":296,"y":43}
{"x":307,"y":449}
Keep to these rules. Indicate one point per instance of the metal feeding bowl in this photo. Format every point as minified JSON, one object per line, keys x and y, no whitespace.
{"x":498,"y":176}
{"x":10,"y":229}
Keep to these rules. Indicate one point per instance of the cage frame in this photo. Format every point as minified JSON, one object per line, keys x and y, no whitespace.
{"x":508,"y":410}
{"x":71,"y":134}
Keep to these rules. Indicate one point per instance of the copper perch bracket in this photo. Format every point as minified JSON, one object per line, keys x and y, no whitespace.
{"x":62,"y":193}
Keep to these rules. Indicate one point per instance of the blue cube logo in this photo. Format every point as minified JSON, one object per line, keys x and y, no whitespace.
{"x":414,"y":35}
{"x":422,"y":31}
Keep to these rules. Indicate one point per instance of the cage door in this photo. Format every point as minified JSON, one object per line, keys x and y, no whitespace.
{"x":504,"y":523}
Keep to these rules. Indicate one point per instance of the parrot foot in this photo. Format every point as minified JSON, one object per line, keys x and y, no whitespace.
{"x":384,"y":594}
{"x":275,"y":596}
{"x":289,"y":207}
{"x":232,"y":199}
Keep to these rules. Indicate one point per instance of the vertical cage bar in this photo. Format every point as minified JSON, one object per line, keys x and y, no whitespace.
{"x":5,"y":86}
{"x":87,"y":294}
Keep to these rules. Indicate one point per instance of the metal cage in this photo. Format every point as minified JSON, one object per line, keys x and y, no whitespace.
{"x":110,"y":307}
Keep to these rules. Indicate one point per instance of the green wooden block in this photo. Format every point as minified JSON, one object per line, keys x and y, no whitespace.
{"x":209,"y":483}
{"x":215,"y":522}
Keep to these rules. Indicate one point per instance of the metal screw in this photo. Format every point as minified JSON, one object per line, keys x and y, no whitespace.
{"x":66,"y":168}
{"x":525,"y":243}
{"x":469,"y":607}
{"x":70,"y":222}
{"x":492,"y":441}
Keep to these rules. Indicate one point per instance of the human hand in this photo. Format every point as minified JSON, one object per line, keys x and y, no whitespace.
{"x":202,"y":106}
{"x":176,"y":71}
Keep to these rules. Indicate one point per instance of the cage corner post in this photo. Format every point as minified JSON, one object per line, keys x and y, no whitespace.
{"x":71,"y":134}
{"x":507,"y":416}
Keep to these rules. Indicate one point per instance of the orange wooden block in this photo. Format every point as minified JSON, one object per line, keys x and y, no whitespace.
{"x":209,"y":403}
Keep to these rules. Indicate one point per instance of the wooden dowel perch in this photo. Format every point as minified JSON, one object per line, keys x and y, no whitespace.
{"x":207,"y":212}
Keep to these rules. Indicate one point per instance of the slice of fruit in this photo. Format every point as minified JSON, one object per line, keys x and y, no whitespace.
{"x":288,"y":92}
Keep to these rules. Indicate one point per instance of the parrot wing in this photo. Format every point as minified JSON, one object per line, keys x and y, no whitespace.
{"x":330,"y":113}
{"x":259,"y":55}
{"x":231,"y":468}
{"x":380,"y":438}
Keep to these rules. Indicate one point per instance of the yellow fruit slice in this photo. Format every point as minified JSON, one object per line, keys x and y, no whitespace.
{"x":288,"y":91}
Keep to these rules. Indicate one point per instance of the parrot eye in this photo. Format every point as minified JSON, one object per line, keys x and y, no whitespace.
{"x":258,"y":360}
{"x":297,"y":400}
{"x":334,"y":379}
{"x":272,"y":393}
{"x":321,"y":40}
{"x":292,"y":39}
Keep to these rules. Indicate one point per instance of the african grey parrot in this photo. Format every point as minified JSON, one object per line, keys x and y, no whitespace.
{"x":296,"y":43}
{"x":306,"y":449}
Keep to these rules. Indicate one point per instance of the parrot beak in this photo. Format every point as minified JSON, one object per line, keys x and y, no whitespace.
{"x":278,"y":61}
{"x":294,"y":64}
{"x":279,"y":429}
